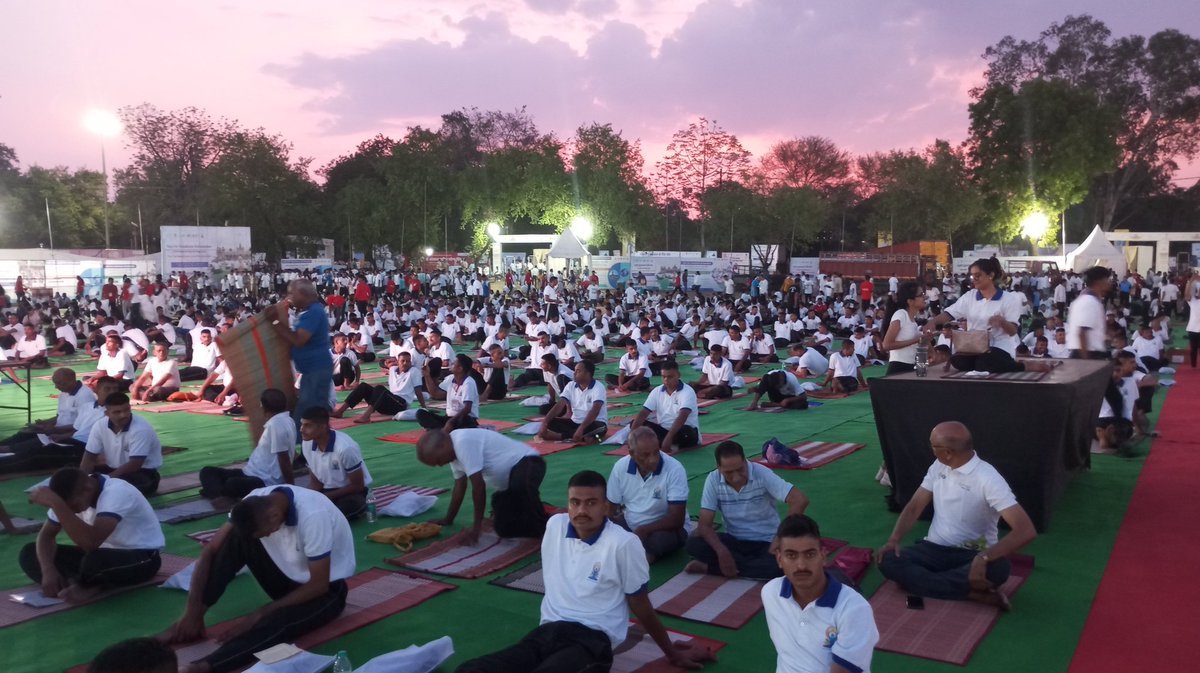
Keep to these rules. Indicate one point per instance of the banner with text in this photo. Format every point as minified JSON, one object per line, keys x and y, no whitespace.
{"x":205,"y":249}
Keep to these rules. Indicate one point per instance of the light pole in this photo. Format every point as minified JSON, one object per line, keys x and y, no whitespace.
{"x":103,"y":124}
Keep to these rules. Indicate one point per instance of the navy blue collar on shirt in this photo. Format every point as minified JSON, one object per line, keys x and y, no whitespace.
{"x":328,"y":445}
{"x":124,"y":429}
{"x":995,"y":297}
{"x":827,"y":600}
{"x":633,"y":466}
{"x":292,"y":517}
{"x":571,"y":533}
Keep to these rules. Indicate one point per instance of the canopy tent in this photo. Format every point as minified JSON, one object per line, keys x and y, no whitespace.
{"x":1096,"y":250}
{"x":568,"y":246}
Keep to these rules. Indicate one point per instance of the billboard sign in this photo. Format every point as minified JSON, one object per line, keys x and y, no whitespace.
{"x":205,"y":249}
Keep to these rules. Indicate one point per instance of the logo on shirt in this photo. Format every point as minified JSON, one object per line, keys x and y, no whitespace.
{"x":658,"y":494}
{"x":595,"y":576}
{"x":831,"y":634}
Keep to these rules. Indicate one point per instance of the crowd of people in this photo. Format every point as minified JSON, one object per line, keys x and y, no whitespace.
{"x":458,"y":337}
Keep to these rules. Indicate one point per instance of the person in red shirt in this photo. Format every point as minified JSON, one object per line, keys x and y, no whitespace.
{"x":391,"y":286}
{"x":109,"y":292}
{"x":79,"y":287}
{"x":362,"y":294}
{"x":19,"y":288}
{"x":866,"y":290}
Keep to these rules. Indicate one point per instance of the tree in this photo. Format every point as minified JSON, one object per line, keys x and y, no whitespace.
{"x":74,"y":200}
{"x":606,"y":174}
{"x":1039,"y":147}
{"x":699,"y":157}
{"x":1153,"y":85}
{"x":811,"y":161}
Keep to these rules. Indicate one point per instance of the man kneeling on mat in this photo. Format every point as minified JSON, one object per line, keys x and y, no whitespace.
{"x":782,"y":388}
{"x":595,"y":574}
{"x":119,"y":547}
{"x":271,"y":461}
{"x":299,"y":548}
{"x":486,"y":458}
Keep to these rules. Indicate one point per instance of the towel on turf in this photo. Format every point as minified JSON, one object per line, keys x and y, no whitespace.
{"x":452,"y":557}
{"x":408,"y":503}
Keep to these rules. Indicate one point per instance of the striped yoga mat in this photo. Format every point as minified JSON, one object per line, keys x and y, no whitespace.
{"x":640,"y":654}
{"x":816,"y":454}
{"x":706,"y":439}
{"x":709,"y":598}
{"x":258,"y":360}
{"x":412,"y":436}
{"x":452,"y":557}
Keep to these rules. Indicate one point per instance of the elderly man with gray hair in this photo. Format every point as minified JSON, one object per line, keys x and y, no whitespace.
{"x":309,"y":341}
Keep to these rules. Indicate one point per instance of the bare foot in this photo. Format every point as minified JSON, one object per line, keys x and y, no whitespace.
{"x":696,"y":568}
{"x":365,"y":418}
{"x":993,"y":598}
{"x":77,"y":594}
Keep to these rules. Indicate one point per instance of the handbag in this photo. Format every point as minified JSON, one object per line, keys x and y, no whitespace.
{"x":970,"y":342}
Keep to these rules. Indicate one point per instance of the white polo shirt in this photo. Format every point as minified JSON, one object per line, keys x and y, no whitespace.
{"x":667,"y":406}
{"x":478,"y":450}
{"x":86,"y":419}
{"x":404,"y":384}
{"x":137,"y":525}
{"x":332,"y":465}
{"x":119,"y":445}
{"x":843,"y":366}
{"x":71,"y":404}
{"x":166,"y":371}
{"x":718,"y":374}
{"x":738,"y":350}
{"x":634,"y":365}
{"x":587,"y":580}
{"x":278,"y":436}
{"x":313,"y":529}
{"x":114,"y":364}
{"x":646,"y":499}
{"x":457,"y":395}
{"x":814,"y":362}
{"x":590,"y":345}
{"x":966,"y":503}
{"x":837,"y":628}
{"x":750,"y":514}
{"x":978,"y":311}
{"x":791,"y":384}
{"x":583,"y":399}
{"x":27,"y":348}
{"x":204,"y":356}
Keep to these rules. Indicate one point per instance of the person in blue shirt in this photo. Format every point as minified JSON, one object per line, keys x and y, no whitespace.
{"x":309,"y":343}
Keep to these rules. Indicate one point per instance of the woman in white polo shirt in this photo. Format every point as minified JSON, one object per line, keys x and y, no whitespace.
{"x":986,"y":308}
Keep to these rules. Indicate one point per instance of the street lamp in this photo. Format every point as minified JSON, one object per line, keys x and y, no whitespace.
{"x":582,"y":228}
{"x":103,"y":124}
{"x":1034,"y":226}
{"x":428,"y":252}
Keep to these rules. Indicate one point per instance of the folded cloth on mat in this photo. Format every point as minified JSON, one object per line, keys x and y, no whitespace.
{"x":706,"y":439}
{"x":452,"y":557}
{"x":190,"y":510}
{"x":946,"y":631}
{"x":640,"y":654}
{"x":408,"y":504}
{"x":14,"y":612}
{"x":182,"y":580}
{"x":814,"y":454}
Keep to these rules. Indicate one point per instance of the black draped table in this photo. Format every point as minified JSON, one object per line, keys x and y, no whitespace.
{"x":1035,"y":432}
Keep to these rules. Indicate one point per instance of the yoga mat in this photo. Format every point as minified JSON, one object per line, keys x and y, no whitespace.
{"x":346,"y":422}
{"x":509,"y":398}
{"x":190,"y":510}
{"x":12,"y":612}
{"x":946,"y":631}
{"x":451,"y":557}
{"x":198,"y":406}
{"x":374,"y":595}
{"x":528,"y":579}
{"x":640,"y":654}
{"x":193,"y":509}
{"x":412,"y":436}
{"x":830,"y":395}
{"x":706,"y":439}
{"x":546,"y":448}
{"x":816,"y":454}
{"x":185,"y":481}
{"x":701,"y":404}
{"x":611,"y":406}
{"x":258,"y":359}
{"x":711,"y":599}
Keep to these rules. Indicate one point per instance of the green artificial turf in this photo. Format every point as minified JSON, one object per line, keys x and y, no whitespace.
{"x":1040,"y":634}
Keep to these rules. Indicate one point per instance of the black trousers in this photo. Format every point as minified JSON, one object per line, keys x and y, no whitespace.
{"x":431,"y":421}
{"x":193,"y":373}
{"x":686,"y":437}
{"x":378,"y":397}
{"x":1194,"y":346}
{"x":283,"y":625}
{"x":753,"y":558}
{"x":97,"y":568}
{"x":496,"y":386}
{"x":221,"y":482}
{"x":517,"y":511}
{"x":30,"y":454}
{"x":353,"y":505}
{"x":553,"y":647}
{"x":211,"y":392}
{"x":343,"y":372}
{"x":768,"y":386}
{"x":529,"y":377}
{"x":144,"y":480}
{"x":564,"y":426}
{"x":615,"y":380}
{"x":896,"y":367}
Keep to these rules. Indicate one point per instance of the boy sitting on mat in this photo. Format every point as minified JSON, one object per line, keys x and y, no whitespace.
{"x":745,"y":494}
{"x":271,"y":461}
{"x":961,"y":558}
{"x":335,"y":463}
{"x":595,"y":574}
{"x":300,"y":550}
{"x":816,"y":622}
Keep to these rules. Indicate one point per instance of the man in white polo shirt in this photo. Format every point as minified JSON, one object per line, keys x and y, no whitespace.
{"x":745,"y":494}
{"x":716,"y":378}
{"x":633,"y":371}
{"x":299,"y":548}
{"x":461,"y":393}
{"x":59,"y":448}
{"x":32,"y":346}
{"x":962,"y":557}
{"x":487,"y":459}
{"x":335,"y":463}
{"x":115,"y":362}
{"x":648,"y":493}
{"x":817,"y":623}
{"x":587,"y":400}
{"x":116,"y":534}
{"x":676,"y":416}
{"x":127,"y":444}
{"x":595,"y":573}
{"x":270,"y":462}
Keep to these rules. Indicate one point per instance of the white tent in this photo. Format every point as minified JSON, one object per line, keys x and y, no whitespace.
{"x":1096,"y":250}
{"x":568,"y":247}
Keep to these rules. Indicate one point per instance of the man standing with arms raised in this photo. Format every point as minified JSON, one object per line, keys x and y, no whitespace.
{"x":309,"y":342}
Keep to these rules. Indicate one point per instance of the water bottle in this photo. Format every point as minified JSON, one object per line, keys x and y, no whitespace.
{"x":371,"y":511}
{"x":922,"y":363}
{"x":341,"y":663}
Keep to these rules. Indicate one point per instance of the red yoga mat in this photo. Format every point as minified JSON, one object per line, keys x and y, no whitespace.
{"x":640,"y":654}
{"x":815,"y":454}
{"x":452,"y":557}
{"x":546,"y":448}
{"x":708,"y":439}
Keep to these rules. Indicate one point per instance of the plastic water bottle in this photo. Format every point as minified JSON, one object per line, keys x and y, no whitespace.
{"x":341,"y":663}
{"x":371,"y":511}
{"x":922,"y":363}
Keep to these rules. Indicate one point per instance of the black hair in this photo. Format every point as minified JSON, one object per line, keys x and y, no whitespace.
{"x":990,"y":266}
{"x":273,"y":400}
{"x":727,"y":449}
{"x":798,"y":525}
{"x":116,"y":400}
{"x":245,"y":515}
{"x":65,"y":481}
{"x":136,"y":655}
{"x":668,"y":364}
{"x":906,"y":292}
{"x":589,"y":366}
{"x":319,"y":414}
{"x":1095,"y":274}
{"x":464,"y":361}
{"x":587,"y":479}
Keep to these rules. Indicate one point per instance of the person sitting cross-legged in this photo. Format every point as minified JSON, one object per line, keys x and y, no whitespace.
{"x":484,"y":458}
{"x":271,"y":461}
{"x":745,"y":494}
{"x":716,"y":381}
{"x":160,"y":380}
{"x":673,"y":405}
{"x":299,"y":549}
{"x":335,"y":463}
{"x":581,"y":413}
{"x":647,"y":495}
{"x":595,"y":573}
{"x":67,"y":432}
{"x":962,"y":557}
{"x":461,"y":393}
{"x":118,"y":546}
{"x":127,"y":445}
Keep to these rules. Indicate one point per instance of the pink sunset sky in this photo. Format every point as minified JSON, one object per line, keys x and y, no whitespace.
{"x":870,"y":75}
